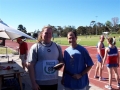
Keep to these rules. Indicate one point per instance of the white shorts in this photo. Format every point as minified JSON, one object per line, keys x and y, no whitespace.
{"x":22,"y":57}
{"x":65,"y":88}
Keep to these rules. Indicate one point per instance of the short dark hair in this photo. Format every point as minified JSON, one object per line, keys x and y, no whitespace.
{"x":74,"y":32}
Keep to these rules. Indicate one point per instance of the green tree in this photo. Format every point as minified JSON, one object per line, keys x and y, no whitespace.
{"x":59,"y":29}
{"x":81,"y":30}
{"x":35,"y":33}
{"x":22,"y":28}
{"x":108,"y":25}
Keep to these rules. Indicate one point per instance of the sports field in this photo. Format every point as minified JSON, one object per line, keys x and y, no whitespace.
{"x":89,"y":40}
{"x":92,"y":52}
{"x":82,"y":40}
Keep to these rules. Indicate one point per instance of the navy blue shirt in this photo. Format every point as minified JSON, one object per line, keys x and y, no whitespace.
{"x":76,"y":60}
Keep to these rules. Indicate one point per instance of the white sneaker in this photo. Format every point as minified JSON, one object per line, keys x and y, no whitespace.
{"x":108,"y":87}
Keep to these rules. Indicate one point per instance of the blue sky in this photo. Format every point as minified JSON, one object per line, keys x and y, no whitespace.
{"x":34,"y":14}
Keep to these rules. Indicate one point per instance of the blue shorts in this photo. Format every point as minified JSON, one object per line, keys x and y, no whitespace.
{"x":112,"y":65}
{"x":99,"y":58}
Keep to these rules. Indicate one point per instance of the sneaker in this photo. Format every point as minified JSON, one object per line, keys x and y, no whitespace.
{"x":96,"y":76}
{"x":102,"y":79}
{"x":108,"y":87}
{"x":118,"y":85}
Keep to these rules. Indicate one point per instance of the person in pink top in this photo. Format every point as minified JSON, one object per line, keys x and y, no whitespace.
{"x":112,"y":62}
{"x":100,"y":55}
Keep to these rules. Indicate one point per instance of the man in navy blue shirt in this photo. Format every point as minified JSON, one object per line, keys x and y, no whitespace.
{"x":77,"y":64}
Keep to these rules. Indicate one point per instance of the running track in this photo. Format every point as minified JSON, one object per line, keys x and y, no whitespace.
{"x":92,"y":52}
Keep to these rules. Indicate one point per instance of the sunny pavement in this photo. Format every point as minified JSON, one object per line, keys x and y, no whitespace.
{"x":26,"y":79}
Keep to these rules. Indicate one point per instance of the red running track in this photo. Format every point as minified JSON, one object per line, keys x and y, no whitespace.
{"x":92,"y":52}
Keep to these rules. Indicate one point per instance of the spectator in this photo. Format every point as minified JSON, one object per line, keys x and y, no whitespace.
{"x":23,"y":51}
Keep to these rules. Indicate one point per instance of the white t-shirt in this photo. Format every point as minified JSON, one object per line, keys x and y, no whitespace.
{"x":44,"y":57}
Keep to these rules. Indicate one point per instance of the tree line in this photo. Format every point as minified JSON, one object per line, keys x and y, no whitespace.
{"x":95,"y":28}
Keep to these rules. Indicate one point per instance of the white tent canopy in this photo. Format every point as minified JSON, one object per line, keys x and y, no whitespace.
{"x":11,"y":33}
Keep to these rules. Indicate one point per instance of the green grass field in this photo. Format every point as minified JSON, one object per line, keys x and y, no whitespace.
{"x":83,"y":40}
{"x":3,"y":50}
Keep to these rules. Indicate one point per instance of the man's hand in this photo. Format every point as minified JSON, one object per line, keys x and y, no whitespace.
{"x":77,"y":76}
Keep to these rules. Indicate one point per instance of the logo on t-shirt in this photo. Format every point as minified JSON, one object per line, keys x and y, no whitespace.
{"x":48,"y":50}
{"x":49,"y":67}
